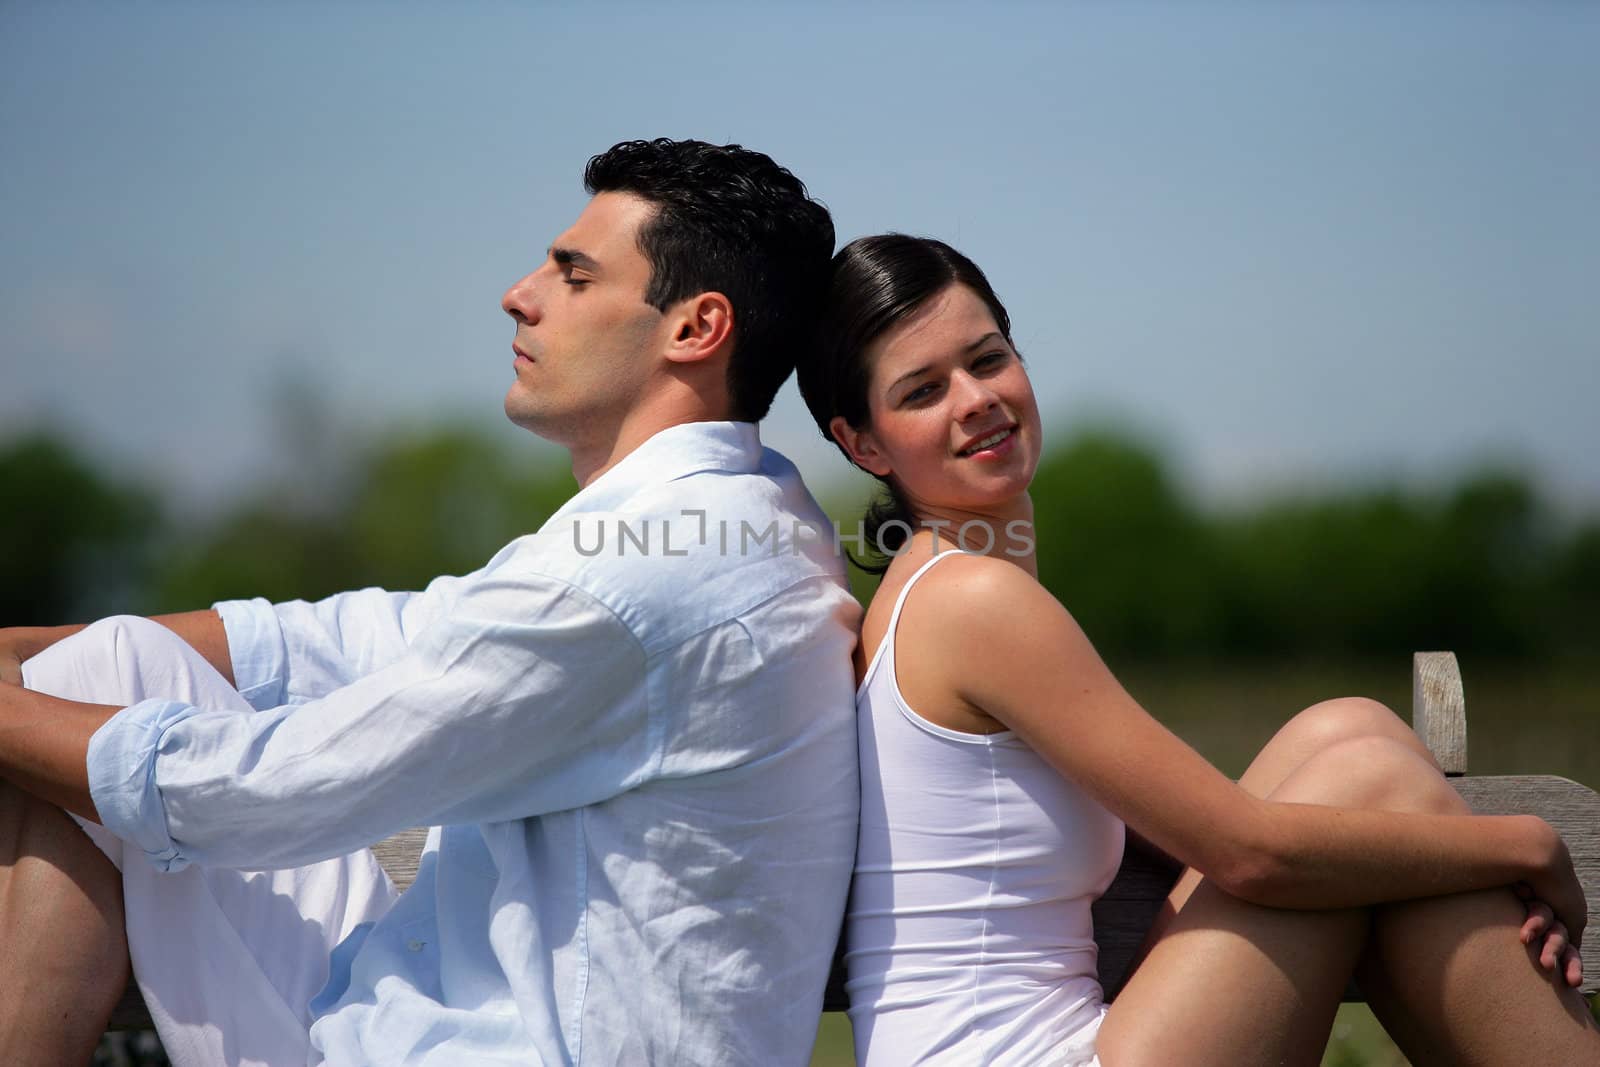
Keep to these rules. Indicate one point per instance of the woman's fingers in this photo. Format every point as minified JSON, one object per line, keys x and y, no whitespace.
{"x":1555,"y":945}
{"x":1572,"y":967}
{"x":1539,"y":919}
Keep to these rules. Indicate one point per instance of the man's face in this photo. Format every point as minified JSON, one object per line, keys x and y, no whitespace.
{"x":586,"y":341}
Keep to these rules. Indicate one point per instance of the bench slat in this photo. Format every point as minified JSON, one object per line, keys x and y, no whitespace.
{"x":1439,"y":709}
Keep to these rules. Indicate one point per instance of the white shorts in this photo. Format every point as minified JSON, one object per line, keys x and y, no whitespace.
{"x":227,"y":961}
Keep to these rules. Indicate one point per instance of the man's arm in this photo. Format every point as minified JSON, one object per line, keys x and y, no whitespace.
{"x":44,"y":746}
{"x":529,"y":697}
{"x":44,"y":740}
{"x":201,"y":629}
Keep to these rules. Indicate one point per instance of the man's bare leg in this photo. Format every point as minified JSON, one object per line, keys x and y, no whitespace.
{"x":63,"y":947}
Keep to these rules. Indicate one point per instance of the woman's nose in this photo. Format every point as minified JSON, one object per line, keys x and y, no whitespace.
{"x":973,"y":395}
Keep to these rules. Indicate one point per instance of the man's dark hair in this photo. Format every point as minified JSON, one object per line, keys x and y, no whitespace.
{"x":732,"y":221}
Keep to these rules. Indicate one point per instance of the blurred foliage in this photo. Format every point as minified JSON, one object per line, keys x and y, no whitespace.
{"x":1483,"y":566}
{"x":72,"y":542}
{"x":74,"y":545}
{"x":440,"y":502}
{"x":1479,"y":567}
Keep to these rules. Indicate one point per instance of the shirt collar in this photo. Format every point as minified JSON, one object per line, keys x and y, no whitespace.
{"x":673,"y":453}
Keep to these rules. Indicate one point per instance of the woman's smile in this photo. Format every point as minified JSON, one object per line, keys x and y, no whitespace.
{"x":993,"y":445}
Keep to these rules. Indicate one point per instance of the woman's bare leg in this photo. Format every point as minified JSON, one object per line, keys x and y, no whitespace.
{"x":1448,"y":977}
{"x":1311,"y":731}
{"x":1451,"y":981}
{"x":1228,"y":982}
{"x":63,"y":949}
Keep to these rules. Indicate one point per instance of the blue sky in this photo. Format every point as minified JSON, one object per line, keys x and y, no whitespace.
{"x":1291,"y":242}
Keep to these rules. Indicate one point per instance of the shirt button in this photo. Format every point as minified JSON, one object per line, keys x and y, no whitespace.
{"x":414,"y":945}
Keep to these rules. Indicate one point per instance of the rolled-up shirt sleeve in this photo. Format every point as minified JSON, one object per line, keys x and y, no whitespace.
{"x":300,"y":650}
{"x":528,"y":696}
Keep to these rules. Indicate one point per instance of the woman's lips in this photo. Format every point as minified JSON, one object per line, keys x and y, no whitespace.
{"x":997,"y":443}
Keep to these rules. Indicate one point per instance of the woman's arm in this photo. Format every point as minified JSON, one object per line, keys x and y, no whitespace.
{"x":1013,"y":652}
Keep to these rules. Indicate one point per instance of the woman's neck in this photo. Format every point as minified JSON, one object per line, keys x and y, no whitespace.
{"x":1005,"y":532}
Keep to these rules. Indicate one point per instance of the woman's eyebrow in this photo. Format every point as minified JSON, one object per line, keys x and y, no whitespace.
{"x":992,"y":335}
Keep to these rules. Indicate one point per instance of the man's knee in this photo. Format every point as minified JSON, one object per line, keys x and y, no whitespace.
{"x":104,"y":662}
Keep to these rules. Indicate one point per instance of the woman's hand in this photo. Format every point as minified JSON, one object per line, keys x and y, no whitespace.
{"x":1557,"y":908}
{"x":1559,"y":952}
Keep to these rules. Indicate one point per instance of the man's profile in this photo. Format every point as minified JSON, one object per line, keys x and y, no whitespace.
{"x":639,"y":765}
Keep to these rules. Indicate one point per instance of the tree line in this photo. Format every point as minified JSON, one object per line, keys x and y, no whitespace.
{"x":1483,"y":565}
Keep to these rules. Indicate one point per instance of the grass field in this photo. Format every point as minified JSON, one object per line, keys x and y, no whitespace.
{"x":1520,"y":721}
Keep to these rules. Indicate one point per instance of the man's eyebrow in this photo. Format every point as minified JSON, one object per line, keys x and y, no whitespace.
{"x":571,"y":257}
{"x":992,"y":335}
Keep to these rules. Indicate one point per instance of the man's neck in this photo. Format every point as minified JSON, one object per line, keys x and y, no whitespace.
{"x":591,"y":459}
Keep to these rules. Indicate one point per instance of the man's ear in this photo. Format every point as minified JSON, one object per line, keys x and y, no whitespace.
{"x":702,"y":327}
{"x":860,"y":445}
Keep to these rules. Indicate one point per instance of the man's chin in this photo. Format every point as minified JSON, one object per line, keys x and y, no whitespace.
{"x":535,"y":420}
{"x":522,"y":414}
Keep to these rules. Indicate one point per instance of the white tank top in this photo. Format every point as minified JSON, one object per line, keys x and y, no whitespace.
{"x":969,"y":938}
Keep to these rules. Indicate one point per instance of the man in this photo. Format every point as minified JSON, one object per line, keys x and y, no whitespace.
{"x":633,"y":731}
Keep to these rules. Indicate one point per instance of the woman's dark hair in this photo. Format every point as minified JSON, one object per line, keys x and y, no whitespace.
{"x":876,"y":284}
{"x":732,"y":221}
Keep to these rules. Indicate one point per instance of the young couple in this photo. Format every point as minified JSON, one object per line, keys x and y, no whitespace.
{"x":643,"y":768}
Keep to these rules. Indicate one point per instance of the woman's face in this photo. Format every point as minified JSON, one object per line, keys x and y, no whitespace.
{"x":952,"y":417}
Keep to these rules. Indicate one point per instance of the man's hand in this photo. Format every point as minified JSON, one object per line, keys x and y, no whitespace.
{"x":10,"y":668}
{"x":18,"y":643}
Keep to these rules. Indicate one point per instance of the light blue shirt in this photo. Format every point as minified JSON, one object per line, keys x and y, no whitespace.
{"x":636,"y":730}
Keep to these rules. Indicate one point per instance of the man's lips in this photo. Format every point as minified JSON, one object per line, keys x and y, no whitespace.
{"x":521,"y":354}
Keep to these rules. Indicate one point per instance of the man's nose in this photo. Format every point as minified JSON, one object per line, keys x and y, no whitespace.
{"x":521,"y":301}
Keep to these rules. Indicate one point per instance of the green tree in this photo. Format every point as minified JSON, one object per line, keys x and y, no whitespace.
{"x":438,"y":502}
{"x":1122,"y":548}
{"x":72,"y":542}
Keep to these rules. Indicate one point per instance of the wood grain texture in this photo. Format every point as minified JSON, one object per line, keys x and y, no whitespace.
{"x":1439,"y":708}
{"x":399,"y":855}
{"x":1573,"y":809}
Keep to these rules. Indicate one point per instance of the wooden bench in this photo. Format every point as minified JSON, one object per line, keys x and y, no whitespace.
{"x":1124,"y":913}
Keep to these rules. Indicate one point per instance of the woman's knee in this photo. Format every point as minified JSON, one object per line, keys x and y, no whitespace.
{"x":1372,"y":771}
{"x":1320,"y":727}
{"x":1331,"y":722}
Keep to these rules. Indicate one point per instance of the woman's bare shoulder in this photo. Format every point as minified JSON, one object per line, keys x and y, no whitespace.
{"x":966,"y":584}
{"x":940,"y":629}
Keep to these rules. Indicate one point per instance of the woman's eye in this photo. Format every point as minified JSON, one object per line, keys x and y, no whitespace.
{"x":921,"y":392}
{"x":990,"y":360}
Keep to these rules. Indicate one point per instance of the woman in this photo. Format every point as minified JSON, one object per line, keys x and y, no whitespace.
{"x":1000,"y":760}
